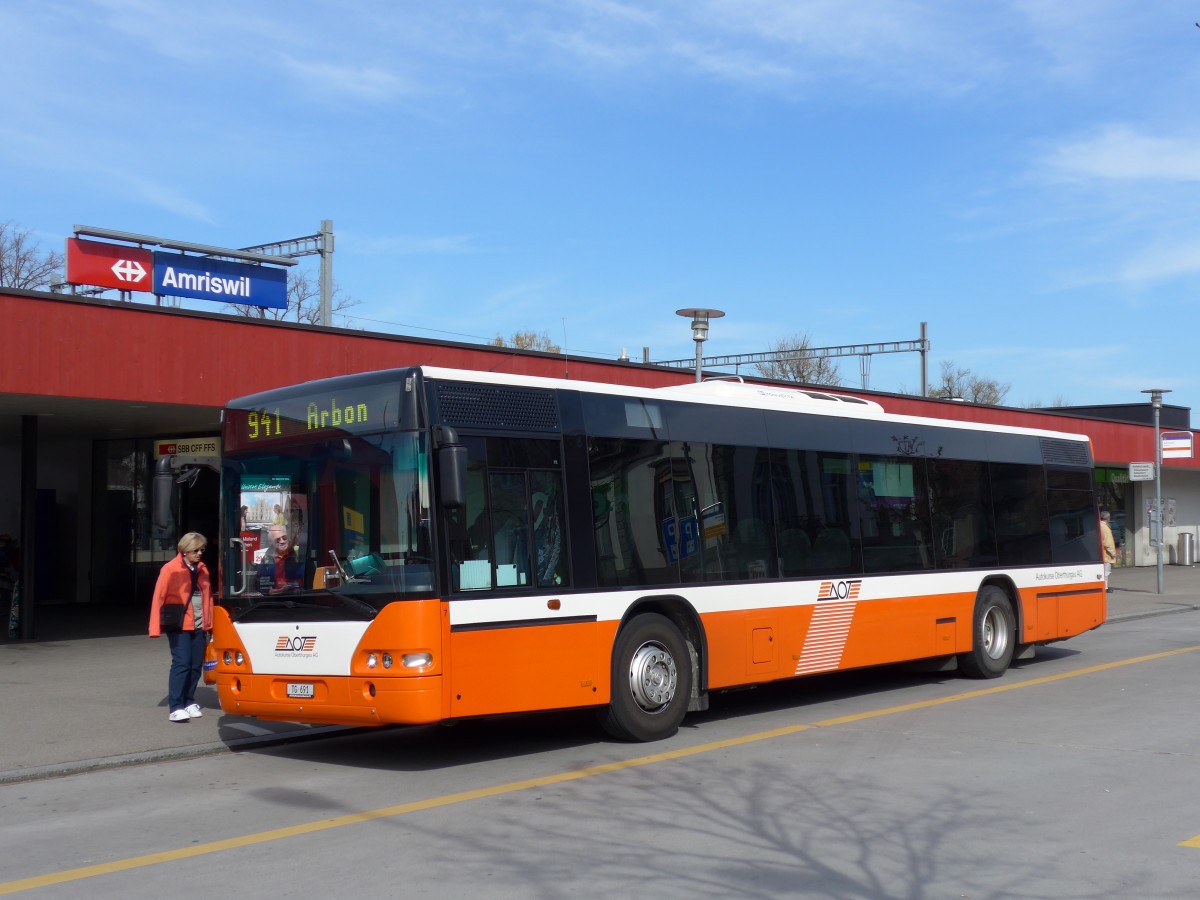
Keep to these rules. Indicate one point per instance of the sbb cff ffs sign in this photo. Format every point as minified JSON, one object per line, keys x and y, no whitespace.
{"x":109,"y":265}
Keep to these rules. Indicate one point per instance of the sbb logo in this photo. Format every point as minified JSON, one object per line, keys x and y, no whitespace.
{"x":839,"y":590}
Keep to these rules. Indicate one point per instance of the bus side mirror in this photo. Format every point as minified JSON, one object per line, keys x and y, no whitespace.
{"x":452,"y":476}
{"x":162,"y":516}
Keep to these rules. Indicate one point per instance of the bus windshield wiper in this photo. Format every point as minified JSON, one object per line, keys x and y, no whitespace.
{"x":273,"y":603}
{"x":355,"y":603}
{"x":290,"y":603}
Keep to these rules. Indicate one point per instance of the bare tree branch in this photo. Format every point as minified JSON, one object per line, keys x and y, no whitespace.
{"x":23,"y":263}
{"x":802,"y":366}
{"x":963,"y":384}
{"x":304,"y":302}
{"x":527,"y":340}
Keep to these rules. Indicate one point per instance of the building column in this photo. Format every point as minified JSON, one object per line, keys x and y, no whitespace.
{"x":29,"y":475}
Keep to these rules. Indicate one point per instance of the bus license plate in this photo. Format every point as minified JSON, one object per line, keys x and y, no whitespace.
{"x":300,"y":690}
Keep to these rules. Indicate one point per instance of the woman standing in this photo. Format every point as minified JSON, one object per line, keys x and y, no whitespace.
{"x":183,"y":611}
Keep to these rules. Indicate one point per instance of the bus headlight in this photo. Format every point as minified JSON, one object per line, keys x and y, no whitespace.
{"x":416,"y":660}
{"x":372,"y":660}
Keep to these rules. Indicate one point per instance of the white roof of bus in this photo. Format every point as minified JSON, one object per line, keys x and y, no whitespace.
{"x":724,"y":393}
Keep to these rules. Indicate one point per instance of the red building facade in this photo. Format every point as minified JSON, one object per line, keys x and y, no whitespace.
{"x":90,"y":390}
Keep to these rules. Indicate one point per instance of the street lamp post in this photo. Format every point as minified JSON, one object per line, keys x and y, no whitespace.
{"x":1156,"y":395}
{"x":699,"y":319}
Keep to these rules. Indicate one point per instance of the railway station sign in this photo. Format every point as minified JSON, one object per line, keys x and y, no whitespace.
{"x":128,"y":268}
{"x":109,"y":265}
{"x":190,"y":451}
{"x":205,"y":278}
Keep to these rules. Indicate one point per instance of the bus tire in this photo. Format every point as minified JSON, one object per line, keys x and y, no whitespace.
{"x":993,"y":635}
{"x":651,"y":680}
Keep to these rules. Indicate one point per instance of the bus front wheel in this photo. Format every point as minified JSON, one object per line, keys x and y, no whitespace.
{"x":993,"y":635}
{"x":651,"y":680}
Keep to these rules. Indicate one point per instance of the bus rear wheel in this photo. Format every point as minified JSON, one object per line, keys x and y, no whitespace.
{"x":993,"y":635}
{"x":651,"y":680}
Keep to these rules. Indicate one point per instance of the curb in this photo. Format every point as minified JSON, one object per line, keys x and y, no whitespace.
{"x":1151,"y":613}
{"x":171,"y":754}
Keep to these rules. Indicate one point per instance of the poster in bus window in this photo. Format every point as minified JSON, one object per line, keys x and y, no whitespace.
{"x":263,"y":500}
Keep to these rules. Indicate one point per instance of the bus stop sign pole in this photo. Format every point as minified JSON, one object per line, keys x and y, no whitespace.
{"x":1156,"y":395}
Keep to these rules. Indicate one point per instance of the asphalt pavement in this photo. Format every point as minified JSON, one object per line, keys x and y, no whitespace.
{"x":75,"y":703}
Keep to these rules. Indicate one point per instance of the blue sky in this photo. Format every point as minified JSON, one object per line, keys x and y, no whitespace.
{"x":1023,"y":176}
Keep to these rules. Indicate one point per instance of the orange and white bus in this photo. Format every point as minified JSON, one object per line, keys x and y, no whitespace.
{"x":423,"y":545}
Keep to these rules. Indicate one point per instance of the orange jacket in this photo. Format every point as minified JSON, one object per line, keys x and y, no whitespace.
{"x":175,"y":586}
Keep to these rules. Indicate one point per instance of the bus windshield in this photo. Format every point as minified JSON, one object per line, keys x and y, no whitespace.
{"x":332,"y":527}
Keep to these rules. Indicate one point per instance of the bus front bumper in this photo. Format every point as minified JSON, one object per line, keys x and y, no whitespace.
{"x":326,"y":700}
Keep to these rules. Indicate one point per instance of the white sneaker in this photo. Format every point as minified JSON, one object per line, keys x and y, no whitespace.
{"x":193,"y":711}
{"x":179,"y":715}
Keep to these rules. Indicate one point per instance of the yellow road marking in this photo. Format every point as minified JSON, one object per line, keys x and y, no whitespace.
{"x":262,"y":837}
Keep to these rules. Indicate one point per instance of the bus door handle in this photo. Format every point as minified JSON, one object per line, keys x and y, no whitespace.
{"x":238,"y":542}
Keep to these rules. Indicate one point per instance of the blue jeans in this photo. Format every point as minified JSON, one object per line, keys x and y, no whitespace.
{"x":187,"y":659}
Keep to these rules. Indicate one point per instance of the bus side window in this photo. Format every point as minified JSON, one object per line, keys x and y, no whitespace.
{"x":546,"y":507}
{"x":472,"y":537}
{"x":510,"y":527}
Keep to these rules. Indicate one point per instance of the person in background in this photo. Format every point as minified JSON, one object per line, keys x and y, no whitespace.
{"x":1108,"y":547}
{"x":244,"y":515}
{"x":184,"y":582}
{"x":281,"y":569}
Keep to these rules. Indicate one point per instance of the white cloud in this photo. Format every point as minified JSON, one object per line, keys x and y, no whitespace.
{"x":108,"y":173}
{"x":1159,"y":262}
{"x":330,"y":79}
{"x":772,"y":44}
{"x":1122,"y":153}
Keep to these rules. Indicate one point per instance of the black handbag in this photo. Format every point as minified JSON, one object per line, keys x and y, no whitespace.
{"x":170,"y":616}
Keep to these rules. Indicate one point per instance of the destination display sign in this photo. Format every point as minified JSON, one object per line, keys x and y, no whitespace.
{"x":350,"y":410}
{"x":205,"y":278}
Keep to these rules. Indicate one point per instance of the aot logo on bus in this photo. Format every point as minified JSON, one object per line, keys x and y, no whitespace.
{"x":839,"y":590}
{"x":297,"y":644}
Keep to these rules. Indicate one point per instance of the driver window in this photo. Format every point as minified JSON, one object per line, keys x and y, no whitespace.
{"x":512,"y":533}
{"x":510,"y":528}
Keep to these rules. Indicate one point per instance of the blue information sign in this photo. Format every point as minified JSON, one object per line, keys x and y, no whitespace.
{"x":203,"y":278}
